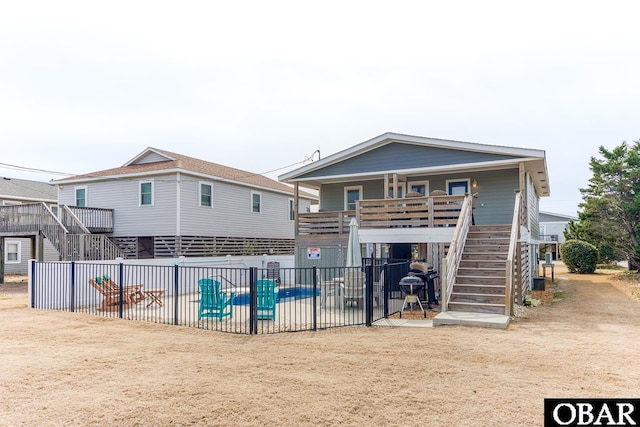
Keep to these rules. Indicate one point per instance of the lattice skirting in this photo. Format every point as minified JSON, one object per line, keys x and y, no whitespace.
{"x":204,"y":246}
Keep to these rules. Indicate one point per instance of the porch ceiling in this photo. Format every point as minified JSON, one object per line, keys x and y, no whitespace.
{"x":407,"y":235}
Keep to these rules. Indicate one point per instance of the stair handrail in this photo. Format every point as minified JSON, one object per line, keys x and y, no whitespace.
{"x":510,"y":262}
{"x":450,"y":263}
{"x":75,"y":221}
{"x":53,"y":229}
{"x":92,"y":247}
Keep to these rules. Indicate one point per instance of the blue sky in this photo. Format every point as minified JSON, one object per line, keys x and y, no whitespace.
{"x":262,"y":85}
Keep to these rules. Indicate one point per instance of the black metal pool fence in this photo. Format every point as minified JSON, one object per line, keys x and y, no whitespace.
{"x":304,"y":299}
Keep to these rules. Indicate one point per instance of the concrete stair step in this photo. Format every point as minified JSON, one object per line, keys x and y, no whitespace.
{"x":477,"y":307}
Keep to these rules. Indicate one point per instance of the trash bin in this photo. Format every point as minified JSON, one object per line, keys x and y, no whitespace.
{"x":538,"y":284}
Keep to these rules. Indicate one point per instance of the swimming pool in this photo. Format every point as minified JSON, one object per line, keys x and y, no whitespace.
{"x":285,"y":294}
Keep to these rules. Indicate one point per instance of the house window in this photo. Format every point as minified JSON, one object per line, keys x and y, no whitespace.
{"x":401,"y":191}
{"x":81,"y":196}
{"x":421,"y":187}
{"x":458,"y":188}
{"x":292,"y":214}
{"x":146,"y":193}
{"x":351,"y":196}
{"x":206,"y":191}
{"x":256,"y":202}
{"x":12,"y":252}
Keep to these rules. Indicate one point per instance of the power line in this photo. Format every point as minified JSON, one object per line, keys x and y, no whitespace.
{"x":35,"y":170}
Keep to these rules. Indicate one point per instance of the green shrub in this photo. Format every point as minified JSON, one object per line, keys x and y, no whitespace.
{"x":579,"y":257}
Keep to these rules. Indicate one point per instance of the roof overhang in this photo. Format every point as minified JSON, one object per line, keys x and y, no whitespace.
{"x":534,"y":161}
{"x":151,"y":174}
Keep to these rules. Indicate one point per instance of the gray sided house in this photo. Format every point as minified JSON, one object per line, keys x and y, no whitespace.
{"x":19,"y":246}
{"x":162,"y":204}
{"x":470,"y":210}
{"x":552,"y":228}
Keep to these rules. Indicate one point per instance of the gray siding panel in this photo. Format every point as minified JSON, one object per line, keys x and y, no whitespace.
{"x":398,"y":156}
{"x":533,"y":209}
{"x":494,"y":205}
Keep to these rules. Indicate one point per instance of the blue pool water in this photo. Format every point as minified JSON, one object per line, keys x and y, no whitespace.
{"x":285,"y":294}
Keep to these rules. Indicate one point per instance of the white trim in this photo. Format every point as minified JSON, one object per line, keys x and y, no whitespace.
{"x":144,"y":153}
{"x":346,"y":190}
{"x":178,"y":203}
{"x":434,"y":170}
{"x":401,"y":185}
{"x":449,"y":181}
{"x":200,"y":184}
{"x":291,"y":206}
{"x":391,"y":137}
{"x":86,"y":194}
{"x":19,"y":251}
{"x":140,"y":183}
{"x":147,"y":174}
{"x":425,"y":183}
{"x":256,"y":193}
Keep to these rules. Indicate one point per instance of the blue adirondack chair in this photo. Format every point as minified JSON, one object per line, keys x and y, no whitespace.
{"x":267,"y":299}
{"x":213,"y":301}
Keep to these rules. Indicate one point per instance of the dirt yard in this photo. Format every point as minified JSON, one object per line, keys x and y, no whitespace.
{"x":66,"y":369}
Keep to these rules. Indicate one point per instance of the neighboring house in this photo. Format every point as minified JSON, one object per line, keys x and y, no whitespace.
{"x":19,"y":246}
{"x":552,"y":228}
{"x":494,"y":233}
{"x":163,"y":204}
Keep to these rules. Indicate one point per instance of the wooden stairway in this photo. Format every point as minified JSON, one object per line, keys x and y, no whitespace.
{"x":480,"y":282}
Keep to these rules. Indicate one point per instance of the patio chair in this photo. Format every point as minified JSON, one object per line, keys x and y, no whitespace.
{"x":214,"y":302}
{"x":132,"y":293}
{"x":353,"y":289}
{"x":378,"y":290}
{"x":273,"y":271}
{"x":111,"y":297}
{"x":327,"y":288}
{"x":267,"y":297}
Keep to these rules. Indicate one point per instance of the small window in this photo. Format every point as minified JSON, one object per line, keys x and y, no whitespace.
{"x":419,"y":187}
{"x":351,"y":196}
{"x":146,"y":193}
{"x":256,"y":202}
{"x":12,"y":253}
{"x":81,"y":196}
{"x":292,"y":211}
{"x":458,"y":188}
{"x":206,"y":195}
{"x":401,"y":187}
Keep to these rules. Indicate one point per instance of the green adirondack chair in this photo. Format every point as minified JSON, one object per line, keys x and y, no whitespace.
{"x":214,"y":302}
{"x":267,"y":299}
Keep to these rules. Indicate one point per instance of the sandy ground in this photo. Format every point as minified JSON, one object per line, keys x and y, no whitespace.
{"x":66,"y":369}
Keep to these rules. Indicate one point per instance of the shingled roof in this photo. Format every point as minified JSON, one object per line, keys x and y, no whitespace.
{"x":154,"y":161}
{"x":26,"y":190}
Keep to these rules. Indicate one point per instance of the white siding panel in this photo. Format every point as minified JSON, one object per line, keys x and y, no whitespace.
{"x":123,"y":195}
{"x":231,"y":212}
{"x":50,"y":254}
{"x":229,"y":216}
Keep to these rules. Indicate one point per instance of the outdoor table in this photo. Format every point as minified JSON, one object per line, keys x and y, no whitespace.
{"x":335,"y":285}
{"x":154,"y":295}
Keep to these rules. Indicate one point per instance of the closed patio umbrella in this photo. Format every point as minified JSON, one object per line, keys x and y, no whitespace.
{"x":354,"y":254}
